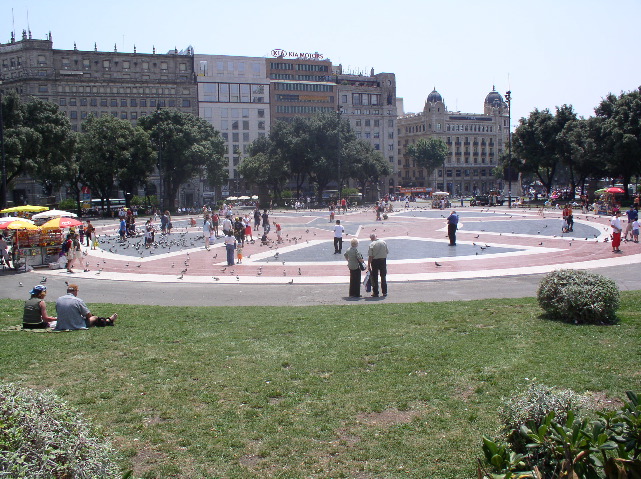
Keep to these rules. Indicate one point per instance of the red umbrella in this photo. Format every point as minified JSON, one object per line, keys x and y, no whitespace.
{"x":59,"y":223}
{"x":615,"y":189}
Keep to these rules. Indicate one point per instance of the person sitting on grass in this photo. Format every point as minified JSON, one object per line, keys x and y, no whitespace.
{"x":35,"y":310}
{"x":74,"y":314}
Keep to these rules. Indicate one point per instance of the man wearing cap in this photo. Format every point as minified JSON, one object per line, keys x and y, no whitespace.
{"x":73,"y":313}
{"x":35,"y":310}
{"x":377,"y":263}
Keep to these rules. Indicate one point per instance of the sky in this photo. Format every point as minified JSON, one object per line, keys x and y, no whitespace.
{"x":547,"y":53}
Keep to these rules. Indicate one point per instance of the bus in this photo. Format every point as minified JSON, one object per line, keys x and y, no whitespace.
{"x":95,"y":206}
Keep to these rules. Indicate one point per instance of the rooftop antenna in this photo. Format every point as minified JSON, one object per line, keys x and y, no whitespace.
{"x":28,"y":27}
{"x":13,"y":24}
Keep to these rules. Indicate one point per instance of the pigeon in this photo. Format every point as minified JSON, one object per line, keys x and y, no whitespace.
{"x":20,"y":284}
{"x":437,"y":263}
{"x":291,"y":282}
{"x":216,"y":278}
{"x":44,"y":279}
{"x":138,"y":265}
{"x":181,"y":276}
{"x":299,"y":272}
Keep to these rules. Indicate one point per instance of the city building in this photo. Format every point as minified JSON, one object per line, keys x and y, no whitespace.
{"x":82,"y":83}
{"x":369,"y":103}
{"x":300,"y":85}
{"x":475,"y":142}
{"x":233,"y":95}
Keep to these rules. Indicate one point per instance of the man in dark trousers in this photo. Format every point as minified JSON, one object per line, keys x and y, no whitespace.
{"x":452,"y":225}
{"x":377,"y":263}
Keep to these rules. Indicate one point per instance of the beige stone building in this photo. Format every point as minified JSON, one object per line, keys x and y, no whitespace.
{"x":82,"y":83}
{"x":475,"y":142}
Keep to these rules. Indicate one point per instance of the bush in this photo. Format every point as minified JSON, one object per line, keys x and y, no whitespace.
{"x":68,"y":204}
{"x":577,"y":296}
{"x":42,"y":437}
{"x":532,"y":406}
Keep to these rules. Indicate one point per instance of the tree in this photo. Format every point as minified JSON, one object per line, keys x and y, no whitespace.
{"x":113,"y":149}
{"x":565,"y":123}
{"x":429,"y":154}
{"x":290,"y":142}
{"x":187,"y":146}
{"x":533,"y":142}
{"x":38,"y":141}
{"x":365,"y":164}
{"x":265,"y":167}
{"x":620,"y":133}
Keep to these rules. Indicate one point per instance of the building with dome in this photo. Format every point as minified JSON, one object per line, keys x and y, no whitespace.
{"x":475,"y":142}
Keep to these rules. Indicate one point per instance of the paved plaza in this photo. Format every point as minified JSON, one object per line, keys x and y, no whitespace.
{"x":500,"y":252}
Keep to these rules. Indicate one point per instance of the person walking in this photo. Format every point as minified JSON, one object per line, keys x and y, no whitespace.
{"x":207,"y":231}
{"x":89,"y":234}
{"x":377,"y":264}
{"x":452,"y":226}
{"x":230,"y":247}
{"x":356,"y":264}
{"x":633,"y":215}
{"x":617,"y":227}
{"x":338,"y":237}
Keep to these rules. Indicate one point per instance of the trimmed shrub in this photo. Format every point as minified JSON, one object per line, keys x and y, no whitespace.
{"x":42,"y":437}
{"x":578,"y":296}
{"x":531,"y":408}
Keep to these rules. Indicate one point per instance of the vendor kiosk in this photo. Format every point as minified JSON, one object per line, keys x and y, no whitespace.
{"x":35,"y":248}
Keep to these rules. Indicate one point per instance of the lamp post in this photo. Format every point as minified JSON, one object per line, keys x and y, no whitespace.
{"x":3,"y":198}
{"x":508,"y":98}
{"x":339,"y":112}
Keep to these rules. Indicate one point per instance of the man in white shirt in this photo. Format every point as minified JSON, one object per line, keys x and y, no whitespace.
{"x":338,"y":237}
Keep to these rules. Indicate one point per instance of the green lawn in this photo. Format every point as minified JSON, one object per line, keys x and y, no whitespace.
{"x":376,"y":391}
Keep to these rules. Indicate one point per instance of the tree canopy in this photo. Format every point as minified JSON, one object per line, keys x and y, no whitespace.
{"x":429,"y":154}
{"x":186,"y":147}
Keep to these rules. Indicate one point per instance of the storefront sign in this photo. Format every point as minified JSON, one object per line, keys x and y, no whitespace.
{"x":280,"y":53}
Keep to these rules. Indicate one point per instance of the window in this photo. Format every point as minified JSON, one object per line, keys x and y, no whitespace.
{"x":245,"y":112}
{"x":172,"y":103}
{"x":245,"y":137}
{"x":134,"y":115}
{"x":63,"y":102}
{"x":114,"y":102}
{"x":125,"y":65}
{"x":235,"y":139}
{"x":106,"y":63}
{"x":143,"y":103}
{"x":83,"y":102}
{"x":123,"y":115}
{"x":181,"y":67}
{"x":224,"y":125}
{"x":377,"y":123}
{"x":343,"y":98}
{"x":186,"y":103}
{"x":245,"y":125}
{"x":234,"y":125}
{"x":73,"y":115}
{"x":163,"y":66}
{"x":357,"y":123}
{"x":261,"y":113}
{"x":261,"y":125}
{"x":367,"y":123}
{"x":83,"y":115}
{"x":133,"y":102}
{"x":123,"y":102}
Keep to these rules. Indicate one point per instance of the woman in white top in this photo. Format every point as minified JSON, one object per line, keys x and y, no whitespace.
{"x":207,"y":231}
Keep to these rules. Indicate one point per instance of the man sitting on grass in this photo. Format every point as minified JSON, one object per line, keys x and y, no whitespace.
{"x":73,"y":313}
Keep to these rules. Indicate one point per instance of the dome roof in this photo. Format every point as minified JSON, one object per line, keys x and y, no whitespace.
{"x":493,"y":98}
{"x":434,"y":97}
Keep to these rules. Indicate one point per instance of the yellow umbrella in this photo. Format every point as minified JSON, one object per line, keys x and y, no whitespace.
{"x":28,"y":208}
{"x":18,"y":225}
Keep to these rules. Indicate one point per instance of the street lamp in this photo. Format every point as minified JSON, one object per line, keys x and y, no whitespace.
{"x":339,"y":112}
{"x":3,"y":198}
{"x":508,"y":98}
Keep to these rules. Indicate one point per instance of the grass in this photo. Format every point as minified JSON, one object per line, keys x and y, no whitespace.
{"x":383,"y":391}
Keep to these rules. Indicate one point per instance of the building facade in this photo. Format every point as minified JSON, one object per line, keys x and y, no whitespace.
{"x":233,"y":95}
{"x":475,"y":142}
{"x":83,"y":83}
{"x":369,"y":104}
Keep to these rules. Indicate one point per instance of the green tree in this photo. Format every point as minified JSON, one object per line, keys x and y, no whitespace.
{"x":38,"y":141}
{"x":620,"y":134}
{"x":187,"y":146}
{"x":110,"y":150}
{"x":534,"y":142}
{"x":365,"y":164}
{"x":290,"y":143}
{"x":429,"y":154}
{"x":265,"y":167}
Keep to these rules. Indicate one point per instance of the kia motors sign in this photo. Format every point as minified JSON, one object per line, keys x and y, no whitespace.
{"x":280,"y":53}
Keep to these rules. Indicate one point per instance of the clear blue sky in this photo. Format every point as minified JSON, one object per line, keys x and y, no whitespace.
{"x":547,"y":52}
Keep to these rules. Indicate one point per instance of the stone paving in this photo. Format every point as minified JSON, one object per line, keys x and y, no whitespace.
{"x":491,"y":242}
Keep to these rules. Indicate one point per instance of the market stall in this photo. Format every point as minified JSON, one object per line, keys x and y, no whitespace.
{"x":29,"y":245}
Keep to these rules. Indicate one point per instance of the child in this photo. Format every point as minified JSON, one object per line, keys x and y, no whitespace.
{"x":635,"y":231}
{"x":279,"y":237}
{"x":239,"y":255}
